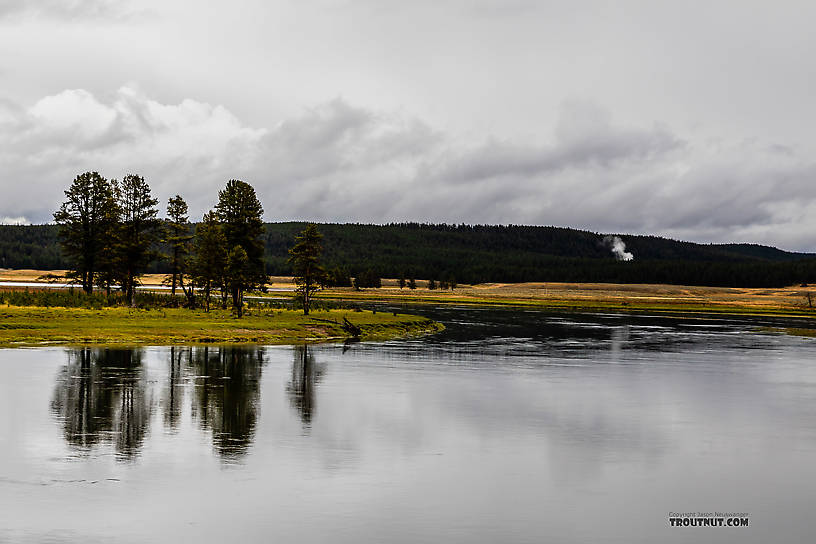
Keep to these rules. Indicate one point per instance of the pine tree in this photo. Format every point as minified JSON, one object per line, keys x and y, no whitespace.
{"x":237,"y":276}
{"x":138,"y":233}
{"x":109,"y":272}
{"x":412,"y":284}
{"x":178,"y":238}
{"x":210,"y":260}
{"x":431,"y":284}
{"x":402,"y":281}
{"x":305,"y":260}
{"x":85,"y":225}
{"x":240,"y":214}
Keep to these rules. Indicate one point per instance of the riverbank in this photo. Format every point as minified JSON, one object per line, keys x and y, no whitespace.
{"x":37,"y":326}
{"x":791,"y":301}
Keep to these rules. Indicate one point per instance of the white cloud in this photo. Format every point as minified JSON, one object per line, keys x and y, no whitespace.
{"x":339,"y":162}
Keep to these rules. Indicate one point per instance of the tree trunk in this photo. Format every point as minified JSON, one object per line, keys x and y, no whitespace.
{"x":175,"y":271}
{"x":236,"y":298}
{"x":306,"y":299}
{"x":188,"y":294}
{"x":87,"y":281}
{"x":131,"y":290}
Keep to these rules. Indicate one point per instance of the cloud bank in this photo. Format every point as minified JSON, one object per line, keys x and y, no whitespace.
{"x":340,"y":162}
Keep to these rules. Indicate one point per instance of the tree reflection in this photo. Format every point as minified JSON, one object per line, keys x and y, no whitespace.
{"x":173,"y":395}
{"x":101,"y":396}
{"x":301,"y":389}
{"x":227,"y":394}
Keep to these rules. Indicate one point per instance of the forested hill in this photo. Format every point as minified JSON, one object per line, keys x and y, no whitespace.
{"x":477,"y":254}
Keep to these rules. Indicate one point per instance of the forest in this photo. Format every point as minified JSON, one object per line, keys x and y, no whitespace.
{"x":470,"y":254}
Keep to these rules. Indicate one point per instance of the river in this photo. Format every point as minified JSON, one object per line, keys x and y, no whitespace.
{"x":510,"y":426}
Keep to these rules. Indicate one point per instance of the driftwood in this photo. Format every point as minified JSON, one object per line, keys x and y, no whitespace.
{"x":351,"y":328}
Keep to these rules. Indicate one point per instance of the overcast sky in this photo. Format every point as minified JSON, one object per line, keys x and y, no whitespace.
{"x":689,"y":119}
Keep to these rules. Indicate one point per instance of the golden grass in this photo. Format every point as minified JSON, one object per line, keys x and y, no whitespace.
{"x":630,"y":297}
{"x":675,"y":298}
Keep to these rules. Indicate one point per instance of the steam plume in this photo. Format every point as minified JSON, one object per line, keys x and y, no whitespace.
{"x":618,"y":248}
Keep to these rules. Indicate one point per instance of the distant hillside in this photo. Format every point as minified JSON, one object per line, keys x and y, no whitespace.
{"x":482,"y":253}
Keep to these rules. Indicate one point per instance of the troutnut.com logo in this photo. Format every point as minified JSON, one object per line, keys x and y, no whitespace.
{"x":708,"y":519}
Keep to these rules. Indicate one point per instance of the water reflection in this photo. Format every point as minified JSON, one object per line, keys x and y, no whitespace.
{"x":173,"y":395}
{"x":104,"y":397}
{"x":226,"y":395}
{"x":301,"y":389}
{"x":101,"y":396}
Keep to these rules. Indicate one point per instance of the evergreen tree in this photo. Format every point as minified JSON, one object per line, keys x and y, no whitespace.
{"x":402,"y":281}
{"x":138,"y":233}
{"x":305,"y":260}
{"x":431,"y":284}
{"x":412,"y":284}
{"x":178,"y":238}
{"x":238,"y":276}
{"x":240,"y":214}
{"x":109,"y":271}
{"x":85,"y":225}
{"x":210,"y":261}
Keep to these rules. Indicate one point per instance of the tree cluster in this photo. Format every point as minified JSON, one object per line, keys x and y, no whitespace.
{"x":110,"y":233}
{"x":109,"y":230}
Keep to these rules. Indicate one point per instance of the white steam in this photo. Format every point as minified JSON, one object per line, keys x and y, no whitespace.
{"x":618,"y":248}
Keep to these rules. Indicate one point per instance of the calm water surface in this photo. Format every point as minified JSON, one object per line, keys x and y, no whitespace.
{"x":511,"y":426}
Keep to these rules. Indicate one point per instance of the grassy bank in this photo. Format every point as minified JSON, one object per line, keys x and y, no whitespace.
{"x":33,"y":326}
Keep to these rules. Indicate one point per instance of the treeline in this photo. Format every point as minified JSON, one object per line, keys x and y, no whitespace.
{"x":479,"y":254}
{"x":31,"y":246}
{"x":483,"y":253}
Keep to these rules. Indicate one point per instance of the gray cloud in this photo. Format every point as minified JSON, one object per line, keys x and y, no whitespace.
{"x":591,"y":147}
{"x":68,"y":10}
{"x":340,"y":162}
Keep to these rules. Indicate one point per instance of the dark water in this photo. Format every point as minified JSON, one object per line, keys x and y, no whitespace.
{"x":511,"y":426}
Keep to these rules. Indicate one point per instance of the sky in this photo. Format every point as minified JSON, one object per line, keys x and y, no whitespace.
{"x":691,"y":120}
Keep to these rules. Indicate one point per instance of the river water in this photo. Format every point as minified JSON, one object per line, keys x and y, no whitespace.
{"x":510,"y":426}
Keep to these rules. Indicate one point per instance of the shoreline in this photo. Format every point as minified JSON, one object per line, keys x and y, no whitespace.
{"x":38,"y":326}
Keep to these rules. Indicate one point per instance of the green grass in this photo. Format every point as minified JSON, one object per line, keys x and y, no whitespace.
{"x":33,"y":326}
